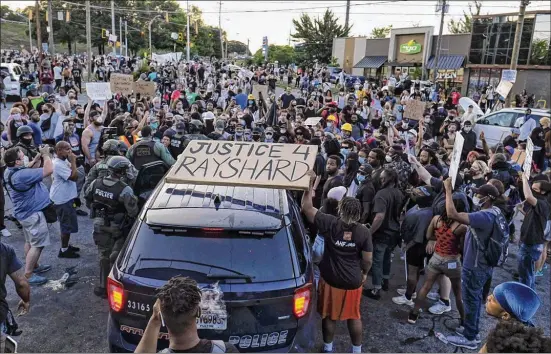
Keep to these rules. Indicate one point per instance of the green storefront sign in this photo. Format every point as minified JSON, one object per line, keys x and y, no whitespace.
{"x":411,"y":47}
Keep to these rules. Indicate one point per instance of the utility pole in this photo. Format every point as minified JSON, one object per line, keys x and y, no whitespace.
{"x":150,"y":47}
{"x":439,"y":42}
{"x":248,"y":49}
{"x":347,"y":13}
{"x":113,"y":27}
{"x":187,"y":34}
{"x":125,"y":38}
{"x":220,"y":28}
{"x":51,"y":28}
{"x":30,"y":38}
{"x":38,"y":34}
{"x":120,"y":35}
{"x":518,"y":33}
{"x":88,"y":41}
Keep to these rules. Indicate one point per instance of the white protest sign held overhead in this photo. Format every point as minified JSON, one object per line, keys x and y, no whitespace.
{"x":527,"y":166}
{"x":456,"y":157}
{"x":504,"y":88}
{"x":99,"y":90}
{"x":509,"y":75}
{"x":213,"y":162}
{"x":313,"y":121}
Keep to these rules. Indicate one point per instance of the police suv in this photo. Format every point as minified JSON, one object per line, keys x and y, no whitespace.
{"x":246,"y":247}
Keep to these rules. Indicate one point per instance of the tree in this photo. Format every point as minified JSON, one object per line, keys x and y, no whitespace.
{"x":317,"y":35}
{"x":238,"y":47}
{"x":540,"y":52}
{"x":283,"y":54}
{"x":381,"y":32}
{"x":7,"y":14}
{"x":465,"y":24}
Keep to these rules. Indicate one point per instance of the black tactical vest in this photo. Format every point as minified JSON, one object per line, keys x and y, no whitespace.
{"x":109,"y":195}
{"x":143,"y":153}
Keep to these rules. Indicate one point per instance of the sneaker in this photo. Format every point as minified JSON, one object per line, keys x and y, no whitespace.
{"x":402,"y":300}
{"x":403,"y":292}
{"x":37,"y":280}
{"x":43,"y":268}
{"x":385,"y":285}
{"x":462,"y":342}
{"x":433,"y":295}
{"x":439,"y":308}
{"x":68,"y":254}
{"x":372,"y":293}
{"x":81,"y":212}
{"x":459,"y":330}
{"x":74,"y":248}
{"x":5,"y":232}
{"x":539,"y":273}
{"x":413,"y":317}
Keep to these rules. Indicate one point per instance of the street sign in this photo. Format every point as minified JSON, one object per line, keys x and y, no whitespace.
{"x":45,"y":47}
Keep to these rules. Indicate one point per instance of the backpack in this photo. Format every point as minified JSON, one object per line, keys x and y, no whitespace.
{"x":46,"y":124}
{"x":496,"y":248}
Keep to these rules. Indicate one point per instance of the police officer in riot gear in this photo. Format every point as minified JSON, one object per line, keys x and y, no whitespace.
{"x":111,"y":148}
{"x":112,"y":203}
{"x":25,"y":142}
{"x":148,"y":150}
{"x":177,"y":141}
{"x":196,"y":128}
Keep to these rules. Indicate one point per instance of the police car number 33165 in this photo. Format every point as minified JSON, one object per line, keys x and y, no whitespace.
{"x":133,"y":305}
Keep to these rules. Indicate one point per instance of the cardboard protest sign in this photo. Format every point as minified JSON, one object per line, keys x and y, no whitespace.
{"x":527,"y":165}
{"x":99,"y":90}
{"x":414,"y":109}
{"x":313,"y":121}
{"x":145,"y":88}
{"x":257,"y":89}
{"x":122,"y":83}
{"x":504,"y":88}
{"x":456,"y":157}
{"x":213,"y":162}
{"x":519,"y":156}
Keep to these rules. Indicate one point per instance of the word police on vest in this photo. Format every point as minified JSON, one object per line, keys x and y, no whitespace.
{"x":282,"y":166}
{"x":104,"y":194}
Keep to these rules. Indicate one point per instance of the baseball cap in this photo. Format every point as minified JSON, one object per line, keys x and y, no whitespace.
{"x":337,"y":193}
{"x":487,"y":190}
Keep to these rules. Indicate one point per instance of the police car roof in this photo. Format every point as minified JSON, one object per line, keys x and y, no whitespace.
{"x":262,"y":200}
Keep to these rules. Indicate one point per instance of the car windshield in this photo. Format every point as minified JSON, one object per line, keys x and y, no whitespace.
{"x":197,"y":253}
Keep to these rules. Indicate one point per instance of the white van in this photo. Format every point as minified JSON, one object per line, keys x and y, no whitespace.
{"x":11,"y":81}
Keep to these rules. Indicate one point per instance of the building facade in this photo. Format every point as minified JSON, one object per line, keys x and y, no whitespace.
{"x":468,"y":62}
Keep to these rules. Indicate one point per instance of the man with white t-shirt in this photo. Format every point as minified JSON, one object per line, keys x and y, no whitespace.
{"x":57,"y":76}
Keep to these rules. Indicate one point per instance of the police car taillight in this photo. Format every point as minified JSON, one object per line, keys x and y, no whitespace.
{"x":302,"y":300}
{"x":116,"y":294}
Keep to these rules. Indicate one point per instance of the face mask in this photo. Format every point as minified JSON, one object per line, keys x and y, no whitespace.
{"x":405,"y":125}
{"x":16,"y":116}
{"x":361,"y":159}
{"x":344,"y":152}
{"x":388,"y":158}
{"x":478,"y":202}
{"x":26,"y":140}
{"x":467,"y":129}
{"x":256,"y":137}
{"x":360,"y":178}
{"x":427,"y":120}
{"x":80,"y":115}
{"x":423,"y":201}
{"x":387,"y":124}
{"x":155,"y":125}
{"x":282,"y":131}
{"x":329,"y":124}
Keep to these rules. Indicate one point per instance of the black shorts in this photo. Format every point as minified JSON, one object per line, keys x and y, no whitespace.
{"x":416,"y":255}
{"x":67,"y":217}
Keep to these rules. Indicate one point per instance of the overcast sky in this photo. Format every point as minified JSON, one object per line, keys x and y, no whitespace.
{"x":252,"y":20}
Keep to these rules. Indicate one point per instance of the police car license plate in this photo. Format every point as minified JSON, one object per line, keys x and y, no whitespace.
{"x":212,"y":321}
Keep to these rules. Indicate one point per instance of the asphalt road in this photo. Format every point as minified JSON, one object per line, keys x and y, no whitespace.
{"x":74,"y":320}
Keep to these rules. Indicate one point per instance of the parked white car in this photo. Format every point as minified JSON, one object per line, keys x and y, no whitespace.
{"x":499,"y":124}
{"x":12,"y":72}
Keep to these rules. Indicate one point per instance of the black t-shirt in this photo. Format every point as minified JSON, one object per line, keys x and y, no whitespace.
{"x":341,"y":266}
{"x":510,"y":141}
{"x":336,"y":181}
{"x":319,"y":169}
{"x":204,"y":346}
{"x":76,"y":74}
{"x":389,"y":202}
{"x":9,"y":263}
{"x":533,"y":226}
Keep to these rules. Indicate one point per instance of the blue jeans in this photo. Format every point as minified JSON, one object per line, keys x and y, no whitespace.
{"x":529,"y":255}
{"x":381,"y":264}
{"x":472,"y":286}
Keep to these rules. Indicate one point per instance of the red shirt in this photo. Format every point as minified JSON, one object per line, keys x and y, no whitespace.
{"x":455,"y":97}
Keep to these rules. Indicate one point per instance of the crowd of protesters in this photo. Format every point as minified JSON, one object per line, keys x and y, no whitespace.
{"x":381,"y":182}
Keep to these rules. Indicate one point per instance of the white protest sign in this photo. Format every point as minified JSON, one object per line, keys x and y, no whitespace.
{"x":456,"y":157}
{"x":213,"y":162}
{"x":504,"y":88}
{"x":99,"y":90}
{"x":313,"y":121}
{"x":527,"y":166}
{"x":145,"y":88}
{"x":258,"y":89}
{"x":122,"y":83}
{"x":509,"y":75}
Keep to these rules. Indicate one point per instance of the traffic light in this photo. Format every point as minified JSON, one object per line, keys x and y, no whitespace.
{"x":142,"y":33}
{"x":180,"y":37}
{"x":67,"y":16}
{"x":166,"y":17}
{"x":104,"y":33}
{"x":30,"y":15}
{"x":264,"y":41}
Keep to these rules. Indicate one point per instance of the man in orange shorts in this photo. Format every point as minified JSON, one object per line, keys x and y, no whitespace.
{"x":346,"y":260}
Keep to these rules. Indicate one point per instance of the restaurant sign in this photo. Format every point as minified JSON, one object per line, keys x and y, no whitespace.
{"x":411,"y":47}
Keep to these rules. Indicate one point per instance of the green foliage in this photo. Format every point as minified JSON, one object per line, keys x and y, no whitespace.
{"x":465,"y":24}
{"x":540,"y":52}
{"x":317,"y":35}
{"x":381,"y":32}
{"x":238,"y":47}
{"x":283,"y":54}
{"x":7,"y":14}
